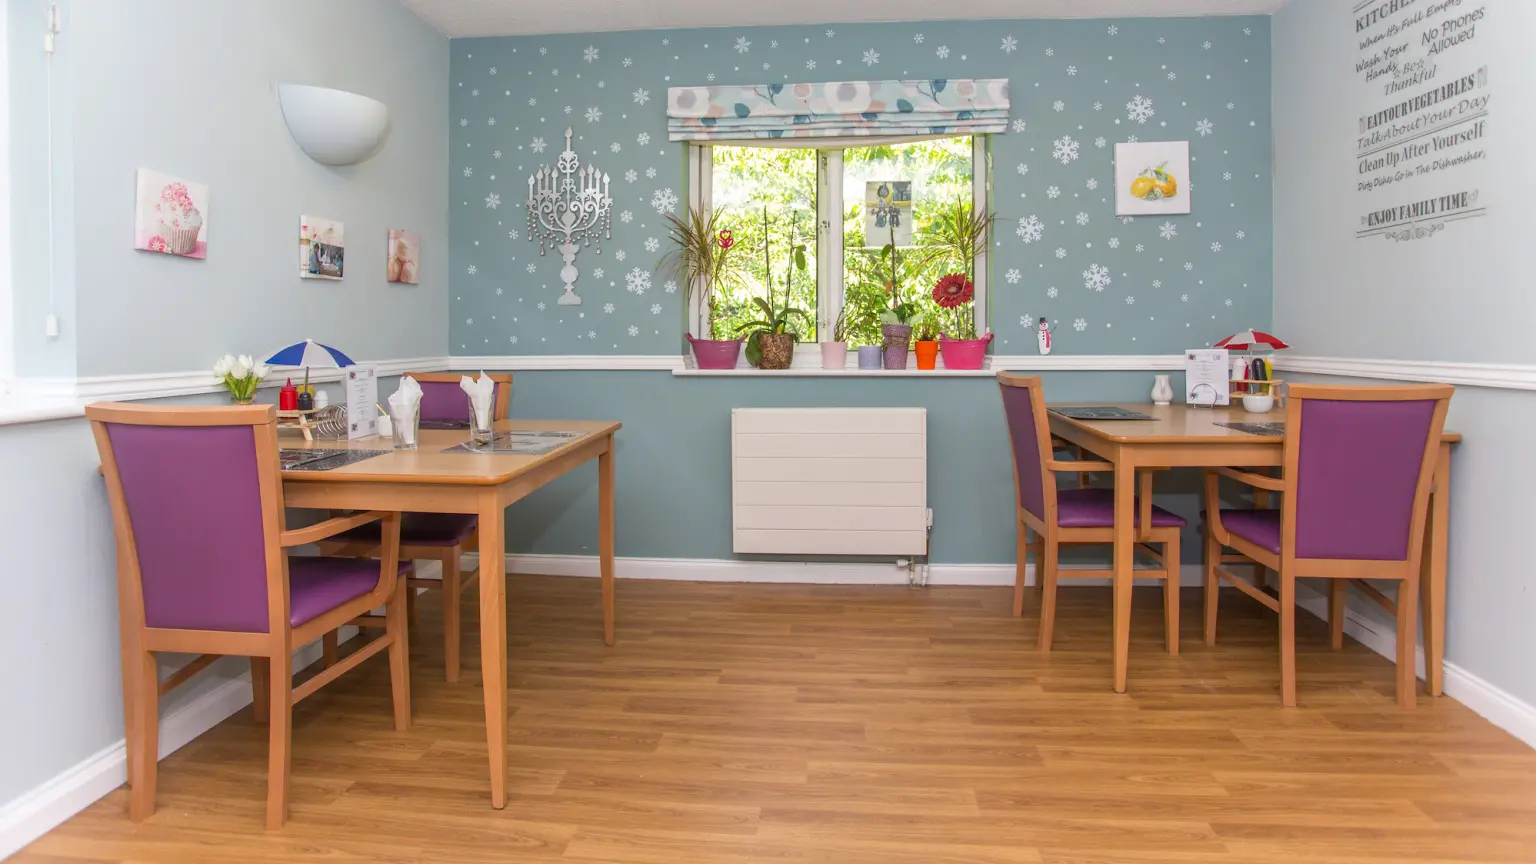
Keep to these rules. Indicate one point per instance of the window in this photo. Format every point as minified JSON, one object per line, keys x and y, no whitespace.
{"x":844,"y":203}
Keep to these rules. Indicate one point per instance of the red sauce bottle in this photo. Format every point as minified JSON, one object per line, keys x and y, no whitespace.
{"x":288,"y":397}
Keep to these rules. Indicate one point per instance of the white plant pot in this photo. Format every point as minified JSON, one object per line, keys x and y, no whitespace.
{"x":834,"y":355}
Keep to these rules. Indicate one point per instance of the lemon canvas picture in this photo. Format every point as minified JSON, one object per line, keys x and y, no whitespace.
{"x":1152,"y":178}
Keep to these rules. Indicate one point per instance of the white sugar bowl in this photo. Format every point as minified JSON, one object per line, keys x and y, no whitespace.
{"x":1258,"y":403}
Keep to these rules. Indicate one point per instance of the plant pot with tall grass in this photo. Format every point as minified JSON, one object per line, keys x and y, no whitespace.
{"x":834,"y":354}
{"x":925,"y":345}
{"x":701,"y":260}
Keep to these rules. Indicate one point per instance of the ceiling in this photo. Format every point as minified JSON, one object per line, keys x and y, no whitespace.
{"x":519,"y":17}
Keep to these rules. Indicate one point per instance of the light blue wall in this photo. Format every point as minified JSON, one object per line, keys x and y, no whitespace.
{"x":1441,"y":299}
{"x":212,"y":116}
{"x":509,"y":94}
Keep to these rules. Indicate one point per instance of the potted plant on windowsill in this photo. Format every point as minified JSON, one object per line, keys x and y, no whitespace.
{"x":770,"y":339}
{"x":834,"y":354}
{"x":925,"y":330}
{"x":701,"y":260}
{"x":962,"y":232}
{"x":962,"y":350}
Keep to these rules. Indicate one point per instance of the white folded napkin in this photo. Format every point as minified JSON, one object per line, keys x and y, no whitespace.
{"x":404,"y":404}
{"x":482,"y":395}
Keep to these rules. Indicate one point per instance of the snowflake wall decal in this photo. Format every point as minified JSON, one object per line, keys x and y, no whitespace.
{"x":1139,"y":109}
{"x":1031,"y":228}
{"x":1009,"y":45}
{"x":1064,"y":150}
{"x":1168,"y":230}
{"x":871,"y":57}
{"x":664,"y":201}
{"x":743,"y":45}
{"x":1205,"y":127}
{"x":1096,"y":277}
{"x":642,"y":96}
{"x":637,"y":281}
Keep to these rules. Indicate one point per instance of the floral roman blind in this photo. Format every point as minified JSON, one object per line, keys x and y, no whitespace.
{"x":838,"y":109}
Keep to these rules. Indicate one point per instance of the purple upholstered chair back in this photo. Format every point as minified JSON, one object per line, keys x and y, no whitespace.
{"x":442,"y":400}
{"x":1357,"y":474}
{"x":1021,"y":402}
{"x":193,"y":500}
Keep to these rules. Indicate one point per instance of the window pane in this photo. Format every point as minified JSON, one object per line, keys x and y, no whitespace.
{"x":751,"y":185}
{"x":905,"y":191}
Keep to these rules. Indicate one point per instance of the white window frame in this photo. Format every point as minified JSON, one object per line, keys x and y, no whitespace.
{"x":7,"y":298}
{"x":829,"y":233}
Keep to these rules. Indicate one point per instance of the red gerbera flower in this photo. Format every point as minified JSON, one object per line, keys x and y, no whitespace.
{"x":953,"y":290}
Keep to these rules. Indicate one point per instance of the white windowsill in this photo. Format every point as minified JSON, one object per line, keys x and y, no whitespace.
{"x":16,"y":409}
{"x":846,"y":372}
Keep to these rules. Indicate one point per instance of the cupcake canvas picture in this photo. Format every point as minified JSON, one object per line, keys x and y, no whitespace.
{"x":171,"y":216}
{"x":322,"y":248}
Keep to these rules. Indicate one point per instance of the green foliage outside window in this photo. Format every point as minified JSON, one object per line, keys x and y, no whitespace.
{"x":747,"y":179}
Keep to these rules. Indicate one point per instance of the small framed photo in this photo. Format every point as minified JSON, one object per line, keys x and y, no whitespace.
{"x":404,"y":262}
{"x":322,"y":248}
{"x":1152,"y":178}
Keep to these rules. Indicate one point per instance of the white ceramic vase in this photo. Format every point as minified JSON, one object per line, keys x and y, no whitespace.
{"x":1162,"y":391}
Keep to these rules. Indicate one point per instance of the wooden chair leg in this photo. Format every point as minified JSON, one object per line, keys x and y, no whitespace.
{"x":1338,"y":590}
{"x":398,"y":629}
{"x":1408,"y":641}
{"x":1212,"y":584}
{"x":145,"y":727}
{"x":410,"y":606}
{"x":1037,"y":554}
{"x":330,"y":649}
{"x":1287,"y":638}
{"x":280,"y":738}
{"x":1171,"y":594}
{"x":451,"y":612}
{"x":1046,"y":569}
{"x":1022,"y":554}
{"x":260,"y":684}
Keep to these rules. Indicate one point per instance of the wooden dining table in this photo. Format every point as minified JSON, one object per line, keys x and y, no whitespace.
{"x":1184,"y":436}
{"x":433,"y":479}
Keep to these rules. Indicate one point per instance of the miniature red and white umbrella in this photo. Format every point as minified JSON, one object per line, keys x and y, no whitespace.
{"x":1250,"y":339}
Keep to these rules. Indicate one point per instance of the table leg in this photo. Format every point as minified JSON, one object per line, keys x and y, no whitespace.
{"x":1432,"y":574}
{"x":1124,"y":552}
{"x":493,"y":639}
{"x":605,"y":535}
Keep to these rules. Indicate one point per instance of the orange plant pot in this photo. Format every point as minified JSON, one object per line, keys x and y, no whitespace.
{"x":927,"y":354}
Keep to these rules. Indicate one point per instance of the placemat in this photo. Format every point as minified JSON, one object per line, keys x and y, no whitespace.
{"x":323,"y":460}
{"x":519,"y":443}
{"x":1274,"y":430}
{"x":1099,"y":412}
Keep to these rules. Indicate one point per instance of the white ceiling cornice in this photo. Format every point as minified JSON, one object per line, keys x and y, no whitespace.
{"x":530,"y":17}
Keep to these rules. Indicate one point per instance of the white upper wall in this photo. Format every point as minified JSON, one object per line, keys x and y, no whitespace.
{"x":1453,"y":296}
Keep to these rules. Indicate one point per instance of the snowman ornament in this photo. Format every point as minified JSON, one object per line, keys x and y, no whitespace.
{"x":1044,"y":336}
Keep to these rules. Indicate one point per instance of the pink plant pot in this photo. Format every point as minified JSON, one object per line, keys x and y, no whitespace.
{"x":834,"y":355}
{"x":715,"y":354}
{"x":964,"y":353}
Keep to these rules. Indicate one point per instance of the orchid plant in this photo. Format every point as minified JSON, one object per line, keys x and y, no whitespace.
{"x":240,"y":376}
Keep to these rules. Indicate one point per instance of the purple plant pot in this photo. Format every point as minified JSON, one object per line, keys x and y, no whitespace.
{"x":715,"y":354}
{"x":964,"y":353}
{"x":897,"y":339}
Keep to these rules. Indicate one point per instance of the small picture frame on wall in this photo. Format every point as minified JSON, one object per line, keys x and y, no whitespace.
{"x":170,"y":215}
{"x":1152,"y":178}
{"x":403,"y":263}
{"x":322,"y":248}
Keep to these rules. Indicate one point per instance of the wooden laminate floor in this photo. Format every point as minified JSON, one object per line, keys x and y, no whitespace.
{"x":779,"y":723}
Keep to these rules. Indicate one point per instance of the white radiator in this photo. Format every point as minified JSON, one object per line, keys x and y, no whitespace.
{"x":829,"y":481}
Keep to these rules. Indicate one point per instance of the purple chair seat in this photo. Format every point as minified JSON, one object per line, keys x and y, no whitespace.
{"x":418,"y":529}
{"x":318,"y":585}
{"x":1259,"y":527}
{"x":1095,"y":508}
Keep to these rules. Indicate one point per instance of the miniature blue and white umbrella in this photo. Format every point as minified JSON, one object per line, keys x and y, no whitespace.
{"x":309,"y":353}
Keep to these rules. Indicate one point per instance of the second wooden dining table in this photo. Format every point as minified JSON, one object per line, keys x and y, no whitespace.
{"x":430,"y":480}
{"x":1184,"y":436}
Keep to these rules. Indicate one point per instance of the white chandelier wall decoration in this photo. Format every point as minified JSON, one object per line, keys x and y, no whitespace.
{"x":569,"y":207}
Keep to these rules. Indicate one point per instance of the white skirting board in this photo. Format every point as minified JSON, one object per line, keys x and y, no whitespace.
{"x":37,"y":812}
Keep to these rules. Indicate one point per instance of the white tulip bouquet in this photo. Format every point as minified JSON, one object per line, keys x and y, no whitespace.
{"x":240,"y":376}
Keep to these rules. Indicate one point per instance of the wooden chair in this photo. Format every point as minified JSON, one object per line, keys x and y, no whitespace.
{"x":441,"y":537}
{"x":203,"y":568}
{"x":1062,"y":517}
{"x":1359,"y":464}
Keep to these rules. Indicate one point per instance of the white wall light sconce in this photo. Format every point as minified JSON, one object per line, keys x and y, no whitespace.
{"x":333,"y":127}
